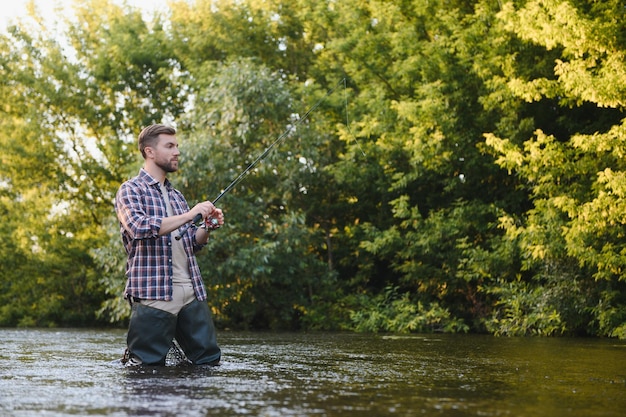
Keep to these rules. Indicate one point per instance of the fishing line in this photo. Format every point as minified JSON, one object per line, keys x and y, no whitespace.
{"x":264,"y":154}
{"x":345,"y":97}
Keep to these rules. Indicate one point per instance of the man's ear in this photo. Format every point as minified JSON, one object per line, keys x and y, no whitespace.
{"x":149,"y":152}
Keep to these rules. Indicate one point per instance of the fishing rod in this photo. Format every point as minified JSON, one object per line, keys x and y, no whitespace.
{"x":214,"y":224}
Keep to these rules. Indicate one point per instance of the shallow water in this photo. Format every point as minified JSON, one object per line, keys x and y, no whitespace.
{"x":77,"y":372}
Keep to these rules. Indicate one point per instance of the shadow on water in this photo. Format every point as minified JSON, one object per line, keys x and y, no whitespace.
{"x":77,"y":372}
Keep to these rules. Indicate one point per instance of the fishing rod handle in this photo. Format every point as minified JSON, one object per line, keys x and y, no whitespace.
{"x":186,"y":227}
{"x":210,"y":224}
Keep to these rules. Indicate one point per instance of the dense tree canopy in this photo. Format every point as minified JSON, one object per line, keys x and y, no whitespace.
{"x":440,"y":165}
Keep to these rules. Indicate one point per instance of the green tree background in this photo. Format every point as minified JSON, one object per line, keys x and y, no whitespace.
{"x":462,"y":169}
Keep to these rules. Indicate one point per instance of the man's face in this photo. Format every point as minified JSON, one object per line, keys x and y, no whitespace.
{"x":166,"y":153}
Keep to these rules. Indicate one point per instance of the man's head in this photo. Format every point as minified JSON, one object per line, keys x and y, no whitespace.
{"x":159,"y":148}
{"x":149,"y":136}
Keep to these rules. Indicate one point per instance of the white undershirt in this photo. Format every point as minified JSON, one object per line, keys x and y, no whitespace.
{"x":180,"y":263}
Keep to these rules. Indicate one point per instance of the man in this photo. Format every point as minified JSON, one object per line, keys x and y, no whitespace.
{"x":164,"y":285}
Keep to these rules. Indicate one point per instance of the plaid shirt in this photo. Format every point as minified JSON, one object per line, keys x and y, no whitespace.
{"x":140,"y":208}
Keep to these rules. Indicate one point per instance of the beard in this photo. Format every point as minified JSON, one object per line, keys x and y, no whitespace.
{"x":168,"y":166}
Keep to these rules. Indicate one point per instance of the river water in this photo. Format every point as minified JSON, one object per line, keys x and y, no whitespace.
{"x":77,"y":373}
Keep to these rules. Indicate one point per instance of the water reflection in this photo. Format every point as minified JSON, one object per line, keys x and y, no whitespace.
{"x":77,"y":372}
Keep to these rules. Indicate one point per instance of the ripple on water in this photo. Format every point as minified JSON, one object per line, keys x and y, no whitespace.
{"x":77,"y":372}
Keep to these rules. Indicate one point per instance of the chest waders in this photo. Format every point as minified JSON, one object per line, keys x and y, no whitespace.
{"x":195,"y":333}
{"x":151,"y":333}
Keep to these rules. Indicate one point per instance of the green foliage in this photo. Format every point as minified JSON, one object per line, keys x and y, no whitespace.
{"x":69,"y":109}
{"x":262,"y":267}
{"x":110,"y":258}
{"x":398,"y":313}
{"x":465,"y":171}
{"x":573,"y":229}
{"x":523,"y":310}
{"x":608,"y":314}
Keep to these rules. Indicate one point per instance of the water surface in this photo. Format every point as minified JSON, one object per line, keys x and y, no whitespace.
{"x":77,"y":372}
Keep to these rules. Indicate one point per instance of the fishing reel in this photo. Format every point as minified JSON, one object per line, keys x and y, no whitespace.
{"x":210,"y":224}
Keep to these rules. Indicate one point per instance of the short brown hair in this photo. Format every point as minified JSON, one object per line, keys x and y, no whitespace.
{"x":150,"y":134}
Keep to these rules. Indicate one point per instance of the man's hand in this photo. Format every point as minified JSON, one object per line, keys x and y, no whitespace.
{"x":215,"y":219}
{"x":204,"y":209}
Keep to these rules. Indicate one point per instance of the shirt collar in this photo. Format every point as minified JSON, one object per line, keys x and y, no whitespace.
{"x":150,"y":180}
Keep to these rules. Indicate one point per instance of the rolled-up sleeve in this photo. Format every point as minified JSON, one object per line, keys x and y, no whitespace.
{"x":132,"y":215}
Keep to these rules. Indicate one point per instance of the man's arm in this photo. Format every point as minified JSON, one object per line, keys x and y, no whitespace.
{"x":202,"y":236}
{"x":171,"y":223}
{"x":205,"y":209}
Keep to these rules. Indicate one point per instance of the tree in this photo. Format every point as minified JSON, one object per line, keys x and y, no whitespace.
{"x":70,"y":105}
{"x":571,"y":238}
{"x":461,"y":168}
{"x":261,"y":266}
